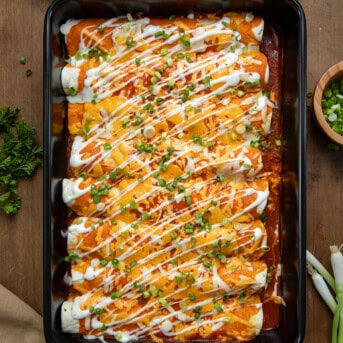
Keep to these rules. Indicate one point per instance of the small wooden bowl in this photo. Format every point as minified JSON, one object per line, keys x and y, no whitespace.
{"x":332,"y":74}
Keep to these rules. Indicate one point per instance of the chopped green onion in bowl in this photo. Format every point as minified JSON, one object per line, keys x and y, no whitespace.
{"x":328,"y":103}
{"x":332,"y":105}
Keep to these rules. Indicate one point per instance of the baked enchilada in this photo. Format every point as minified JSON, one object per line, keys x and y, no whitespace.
{"x":174,"y":200}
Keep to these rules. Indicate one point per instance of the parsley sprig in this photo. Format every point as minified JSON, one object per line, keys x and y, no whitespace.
{"x":19,"y":157}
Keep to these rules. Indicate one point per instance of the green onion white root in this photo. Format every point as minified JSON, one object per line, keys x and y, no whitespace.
{"x":321,"y":278}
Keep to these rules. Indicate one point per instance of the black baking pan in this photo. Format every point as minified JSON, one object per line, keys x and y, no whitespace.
{"x":289,"y":17}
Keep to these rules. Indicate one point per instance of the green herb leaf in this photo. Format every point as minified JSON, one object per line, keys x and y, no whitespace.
{"x":19,"y":157}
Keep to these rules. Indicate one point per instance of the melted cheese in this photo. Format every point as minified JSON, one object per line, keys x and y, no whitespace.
{"x":168,"y":183}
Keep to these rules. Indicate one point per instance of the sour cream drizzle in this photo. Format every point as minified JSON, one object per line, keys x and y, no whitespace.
{"x":203,"y":89}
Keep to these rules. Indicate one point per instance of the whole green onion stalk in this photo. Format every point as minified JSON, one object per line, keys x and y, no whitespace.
{"x":321,"y":278}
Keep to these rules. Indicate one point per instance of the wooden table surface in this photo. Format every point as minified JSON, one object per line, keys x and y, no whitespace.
{"x":21,"y":32}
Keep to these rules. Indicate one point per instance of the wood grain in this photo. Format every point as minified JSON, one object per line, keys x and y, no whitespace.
{"x":324,"y":167}
{"x":21,"y":34}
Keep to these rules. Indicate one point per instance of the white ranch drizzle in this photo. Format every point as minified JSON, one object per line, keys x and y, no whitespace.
{"x":101,"y":81}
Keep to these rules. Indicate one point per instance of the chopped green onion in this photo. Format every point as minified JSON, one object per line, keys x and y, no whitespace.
{"x":197,"y":140}
{"x":157,"y":74}
{"x":164,"y":167}
{"x":116,"y":294}
{"x":171,"y":83}
{"x":242,"y":298}
{"x":178,"y":279}
{"x":78,"y":56}
{"x":83,"y":174}
{"x":189,"y":229}
{"x":96,"y":198}
{"x":118,"y":336}
{"x":161,"y":34}
{"x":170,"y":188}
{"x":191,"y":297}
{"x":185,"y":41}
{"x":173,"y":235}
{"x":130,"y":42}
{"x":214,"y":203}
{"x":208,"y":265}
{"x":191,"y":86}
{"x":185,"y":95}
{"x":188,"y":200}
{"x":99,"y":311}
{"x":174,"y":261}
{"x":154,"y":80}
{"x":207,"y":80}
{"x":220,"y":178}
{"x":189,"y":58}
{"x":146,"y":215}
{"x":104,"y":263}
{"x":72,"y":91}
{"x":72,"y":255}
{"x":332,"y":105}
{"x":333,"y":147}
{"x":164,"y":52}
{"x":197,"y":315}
{"x":154,"y":290}
{"x":107,"y":147}
{"x":133,"y":263}
{"x":247,"y":84}
{"x":161,"y":183}
{"x":133,"y":204}
{"x":218,"y":308}
{"x":163,"y":302}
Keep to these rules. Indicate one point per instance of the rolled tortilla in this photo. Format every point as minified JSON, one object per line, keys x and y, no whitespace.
{"x":234,"y":198}
{"x":237,"y":318}
{"x":109,"y":240}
